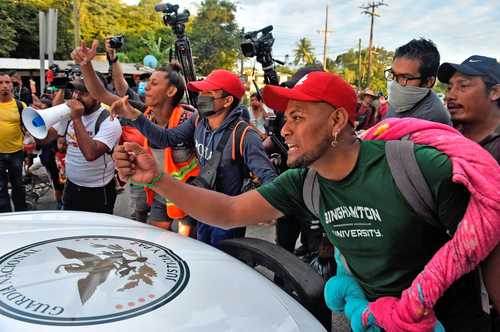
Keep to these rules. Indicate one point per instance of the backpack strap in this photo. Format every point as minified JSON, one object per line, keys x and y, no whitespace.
{"x":310,"y":192}
{"x":100,"y":119}
{"x":410,"y":180}
{"x":20,"y":106}
{"x":239,"y":132}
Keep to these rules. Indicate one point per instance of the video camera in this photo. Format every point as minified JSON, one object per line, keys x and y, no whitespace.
{"x":63,"y":77}
{"x":173,"y":18}
{"x":182,"y":45}
{"x":259,"y":43}
{"x":252,"y":45}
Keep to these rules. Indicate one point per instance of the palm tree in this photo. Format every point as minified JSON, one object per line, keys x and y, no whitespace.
{"x":304,"y":53}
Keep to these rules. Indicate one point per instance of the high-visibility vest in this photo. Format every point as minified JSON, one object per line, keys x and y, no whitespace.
{"x":182,"y":171}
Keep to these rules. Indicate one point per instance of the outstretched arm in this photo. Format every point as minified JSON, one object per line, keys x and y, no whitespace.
{"x":83,"y":56}
{"x":211,"y":207}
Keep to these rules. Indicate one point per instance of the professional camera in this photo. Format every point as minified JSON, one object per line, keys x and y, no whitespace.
{"x":182,"y":46}
{"x":116,"y":42}
{"x":260,"y":44}
{"x":255,"y":45}
{"x":172,"y":17}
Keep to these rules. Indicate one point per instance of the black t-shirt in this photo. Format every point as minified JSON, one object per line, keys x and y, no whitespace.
{"x":492,"y":144}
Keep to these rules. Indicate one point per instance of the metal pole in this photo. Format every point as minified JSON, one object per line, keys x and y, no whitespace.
{"x":368,"y":77}
{"x":51,"y":35}
{"x":325,"y":40}
{"x":360,"y":77}
{"x":42,"y":22}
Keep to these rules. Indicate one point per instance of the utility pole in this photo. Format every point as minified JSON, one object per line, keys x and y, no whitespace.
{"x":77,"y":4}
{"x":369,"y":9}
{"x":360,"y":77}
{"x":325,"y":40}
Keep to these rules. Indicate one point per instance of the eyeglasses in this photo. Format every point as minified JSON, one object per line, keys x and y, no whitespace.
{"x":401,"y":79}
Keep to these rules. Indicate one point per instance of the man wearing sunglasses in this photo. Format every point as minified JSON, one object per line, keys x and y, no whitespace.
{"x":411,"y":76}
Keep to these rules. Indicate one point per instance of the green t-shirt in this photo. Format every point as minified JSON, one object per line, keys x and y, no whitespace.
{"x":385,"y":243}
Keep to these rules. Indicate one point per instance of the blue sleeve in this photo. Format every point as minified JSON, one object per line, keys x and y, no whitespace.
{"x":255,"y":157}
{"x":163,"y":137}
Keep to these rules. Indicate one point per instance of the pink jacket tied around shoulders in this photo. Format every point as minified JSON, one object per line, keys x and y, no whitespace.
{"x":476,"y":236}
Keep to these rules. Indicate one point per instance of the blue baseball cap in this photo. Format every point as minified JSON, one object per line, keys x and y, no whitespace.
{"x":475,"y":65}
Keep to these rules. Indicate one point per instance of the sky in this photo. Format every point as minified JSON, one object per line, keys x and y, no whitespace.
{"x":459,"y":28}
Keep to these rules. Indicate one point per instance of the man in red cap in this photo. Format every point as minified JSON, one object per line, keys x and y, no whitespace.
{"x":384,"y":241}
{"x":226,"y":147}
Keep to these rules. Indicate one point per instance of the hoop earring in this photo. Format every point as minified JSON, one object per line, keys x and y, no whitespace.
{"x":335,"y":141}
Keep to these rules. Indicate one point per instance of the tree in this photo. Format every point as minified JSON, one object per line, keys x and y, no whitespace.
{"x":346,"y":64}
{"x":8,"y":42}
{"x":304,"y":53}
{"x":19,"y":27}
{"x":214,"y":36}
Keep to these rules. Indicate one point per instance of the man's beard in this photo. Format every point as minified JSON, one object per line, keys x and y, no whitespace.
{"x":89,"y":109}
{"x":310,"y":157}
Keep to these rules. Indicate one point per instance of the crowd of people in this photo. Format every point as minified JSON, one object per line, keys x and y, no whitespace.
{"x":416,"y":233}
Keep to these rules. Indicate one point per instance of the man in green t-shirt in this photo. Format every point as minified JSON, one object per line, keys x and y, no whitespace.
{"x":384,"y":242}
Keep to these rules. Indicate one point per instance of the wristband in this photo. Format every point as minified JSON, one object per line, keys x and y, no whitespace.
{"x":148,"y":185}
{"x":111,"y":61}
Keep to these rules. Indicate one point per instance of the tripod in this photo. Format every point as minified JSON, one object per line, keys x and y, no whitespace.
{"x":182,"y":50}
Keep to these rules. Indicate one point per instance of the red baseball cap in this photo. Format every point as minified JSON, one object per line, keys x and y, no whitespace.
{"x":315,"y":87}
{"x":220,"y":79}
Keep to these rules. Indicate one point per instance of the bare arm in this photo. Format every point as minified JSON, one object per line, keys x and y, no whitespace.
{"x":83,"y":56}
{"x":119,"y":82}
{"x":211,"y":207}
{"x":215,"y":208}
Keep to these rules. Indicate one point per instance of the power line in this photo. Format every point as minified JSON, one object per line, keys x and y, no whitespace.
{"x":369,"y":9}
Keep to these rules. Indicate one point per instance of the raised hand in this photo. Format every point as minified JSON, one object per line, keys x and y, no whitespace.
{"x":134,"y":163}
{"x":77,"y":108}
{"x":122,"y":109}
{"x":109,"y":50}
{"x":83,"y":55}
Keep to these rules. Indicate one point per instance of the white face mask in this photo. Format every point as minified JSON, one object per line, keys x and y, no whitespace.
{"x":403,"y":98}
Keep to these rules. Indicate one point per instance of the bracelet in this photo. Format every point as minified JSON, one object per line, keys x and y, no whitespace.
{"x":148,"y":185}
{"x":111,"y":61}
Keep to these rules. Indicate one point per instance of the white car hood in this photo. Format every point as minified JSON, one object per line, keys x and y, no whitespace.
{"x":97,"y":272}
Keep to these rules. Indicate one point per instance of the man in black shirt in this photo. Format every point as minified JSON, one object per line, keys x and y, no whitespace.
{"x":474,"y":103}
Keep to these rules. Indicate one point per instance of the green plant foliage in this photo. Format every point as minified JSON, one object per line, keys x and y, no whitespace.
{"x":214,"y":36}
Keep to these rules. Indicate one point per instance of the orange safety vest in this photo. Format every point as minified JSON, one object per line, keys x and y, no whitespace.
{"x":181,"y":171}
